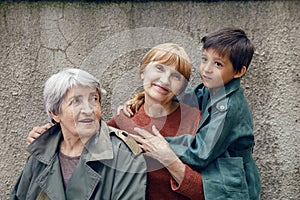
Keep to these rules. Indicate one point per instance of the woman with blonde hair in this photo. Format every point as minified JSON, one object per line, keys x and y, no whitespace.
{"x":165,"y":71}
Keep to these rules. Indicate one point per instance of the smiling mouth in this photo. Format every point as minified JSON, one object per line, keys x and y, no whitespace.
{"x":161,"y":87}
{"x":205,"y":77}
{"x":86,"y":121}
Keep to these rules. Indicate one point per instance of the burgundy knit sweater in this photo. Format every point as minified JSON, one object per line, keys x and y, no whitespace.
{"x":160,"y":184}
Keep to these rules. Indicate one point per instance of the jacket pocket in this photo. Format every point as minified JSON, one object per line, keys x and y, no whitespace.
{"x":233,"y":174}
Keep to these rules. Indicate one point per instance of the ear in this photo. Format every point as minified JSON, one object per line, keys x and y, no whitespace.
{"x":240,"y":73}
{"x":55,"y":117}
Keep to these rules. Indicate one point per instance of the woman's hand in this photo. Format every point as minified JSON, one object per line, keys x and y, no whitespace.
{"x":36,"y":132}
{"x":155,"y":146}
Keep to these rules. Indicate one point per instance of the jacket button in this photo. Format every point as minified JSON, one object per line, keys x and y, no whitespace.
{"x":222,"y":107}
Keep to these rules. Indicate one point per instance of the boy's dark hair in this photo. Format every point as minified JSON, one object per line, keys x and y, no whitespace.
{"x":233,"y":42}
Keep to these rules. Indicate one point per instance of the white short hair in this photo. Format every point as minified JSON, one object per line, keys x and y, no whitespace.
{"x":58,"y":84}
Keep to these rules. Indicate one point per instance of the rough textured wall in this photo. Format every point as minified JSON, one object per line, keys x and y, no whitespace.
{"x":109,"y":39}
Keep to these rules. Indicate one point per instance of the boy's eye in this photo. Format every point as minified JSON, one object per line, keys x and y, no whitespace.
{"x":203,"y":59}
{"x":218,"y":64}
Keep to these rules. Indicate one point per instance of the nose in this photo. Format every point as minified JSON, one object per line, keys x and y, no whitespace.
{"x":206,"y":67}
{"x":87,"y":108}
{"x":165,"y":78}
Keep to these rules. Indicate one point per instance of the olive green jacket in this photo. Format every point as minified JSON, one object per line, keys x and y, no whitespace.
{"x":107,"y":169}
{"x":222,"y":147}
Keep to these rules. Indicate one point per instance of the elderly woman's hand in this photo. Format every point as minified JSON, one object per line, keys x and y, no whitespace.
{"x":36,"y":132}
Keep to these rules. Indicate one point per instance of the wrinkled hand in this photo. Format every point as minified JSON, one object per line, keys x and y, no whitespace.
{"x":155,"y":145}
{"x":36,"y":132}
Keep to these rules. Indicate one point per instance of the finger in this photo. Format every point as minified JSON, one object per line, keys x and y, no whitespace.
{"x":47,"y":126}
{"x":32,"y":136}
{"x":129,"y":107}
{"x":119,"y":109}
{"x":127,"y":111}
{"x":137,"y":138}
{"x":143,"y":132}
{"x":40,"y":129}
{"x":155,"y":130}
{"x":29,"y":140}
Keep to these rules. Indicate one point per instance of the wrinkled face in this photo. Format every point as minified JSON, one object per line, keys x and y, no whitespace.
{"x":162,"y":83}
{"x":80,"y":112}
{"x":215,"y":71}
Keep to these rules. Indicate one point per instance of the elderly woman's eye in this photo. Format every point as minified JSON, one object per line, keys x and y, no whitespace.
{"x":95,"y":98}
{"x":76,"y":100}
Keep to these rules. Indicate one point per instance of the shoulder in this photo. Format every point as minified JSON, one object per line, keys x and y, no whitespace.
{"x":122,"y":140}
{"x":237,"y":101}
{"x":238,"y":109}
{"x":127,"y":153}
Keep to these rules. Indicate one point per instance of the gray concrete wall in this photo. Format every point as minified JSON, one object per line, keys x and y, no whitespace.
{"x":109,"y":39}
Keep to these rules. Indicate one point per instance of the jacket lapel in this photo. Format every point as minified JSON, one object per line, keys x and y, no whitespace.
{"x":221,"y":96}
{"x":83,"y":182}
{"x":85,"y":179}
{"x":48,"y":180}
{"x":205,"y":105}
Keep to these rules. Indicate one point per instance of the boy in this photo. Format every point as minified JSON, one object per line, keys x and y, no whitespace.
{"x":222,"y":147}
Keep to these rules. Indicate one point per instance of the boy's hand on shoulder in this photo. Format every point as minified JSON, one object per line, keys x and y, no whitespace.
{"x":127,"y":109}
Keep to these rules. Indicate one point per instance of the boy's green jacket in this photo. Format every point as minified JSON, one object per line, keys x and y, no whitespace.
{"x":107,"y":169}
{"x":222,"y":147}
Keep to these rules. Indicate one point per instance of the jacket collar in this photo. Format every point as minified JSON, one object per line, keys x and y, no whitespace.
{"x":219,"y":100}
{"x":99,"y":147}
{"x":230,"y":87}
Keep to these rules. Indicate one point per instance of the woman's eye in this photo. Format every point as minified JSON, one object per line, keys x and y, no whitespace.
{"x":176,"y":76}
{"x":76,"y":100}
{"x":159,"y":67}
{"x":95,"y":98}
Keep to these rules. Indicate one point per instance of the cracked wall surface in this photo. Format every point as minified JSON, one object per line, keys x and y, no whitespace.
{"x":109,"y":39}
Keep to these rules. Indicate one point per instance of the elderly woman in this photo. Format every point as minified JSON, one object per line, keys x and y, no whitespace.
{"x":78,"y":157}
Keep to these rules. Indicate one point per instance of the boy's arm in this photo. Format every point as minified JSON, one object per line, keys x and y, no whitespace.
{"x":222,"y":124}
